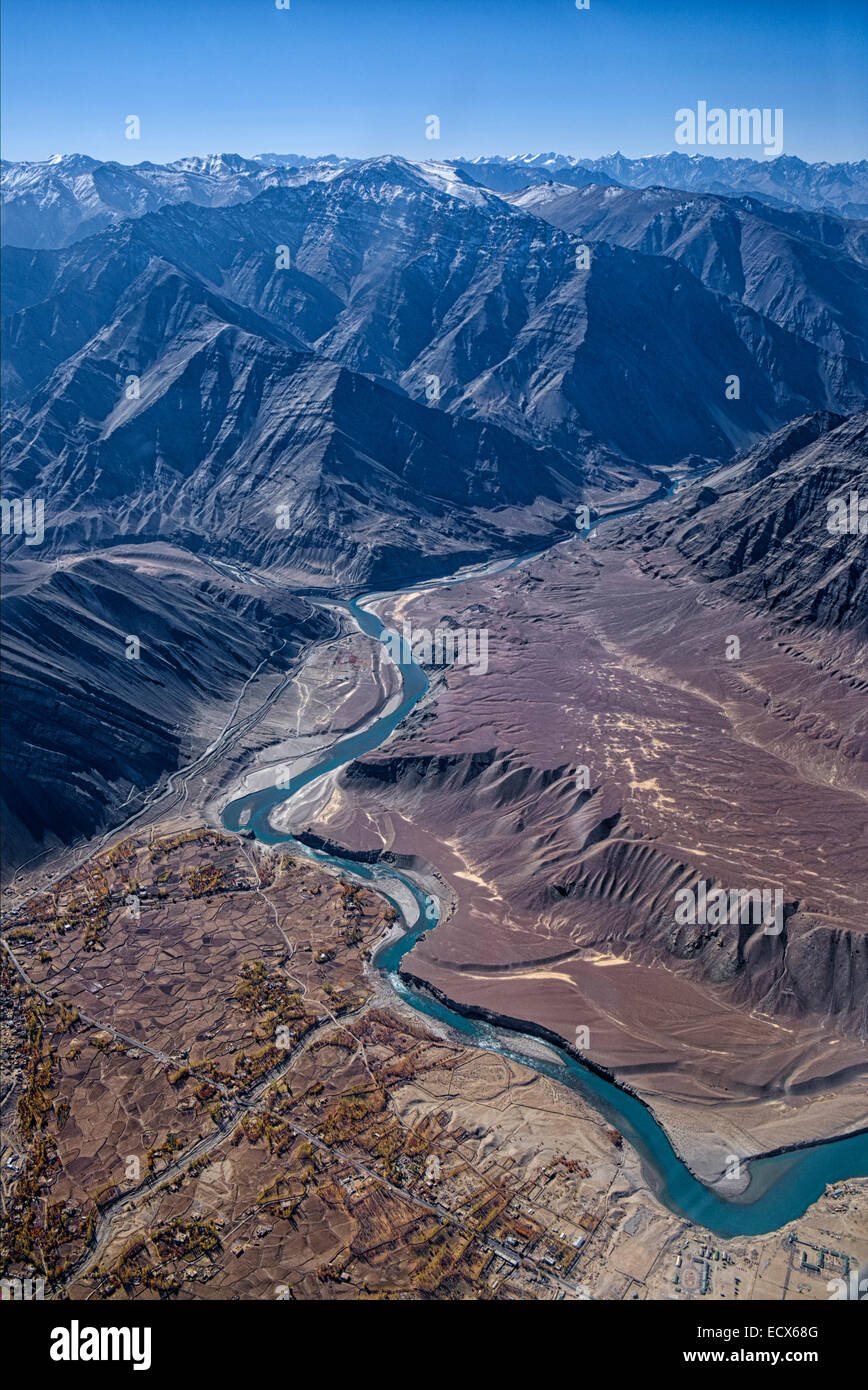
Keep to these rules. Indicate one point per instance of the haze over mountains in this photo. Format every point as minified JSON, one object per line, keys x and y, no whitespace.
{"x":787,"y":180}
{"x":54,"y":202}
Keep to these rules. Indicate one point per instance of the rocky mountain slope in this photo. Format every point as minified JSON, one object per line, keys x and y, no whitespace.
{"x":777,"y":528}
{"x":447,"y":294}
{"x":58,"y":201}
{"x":254,"y":452}
{"x":807,"y":272}
{"x":91,"y":722}
{"x":64,"y":199}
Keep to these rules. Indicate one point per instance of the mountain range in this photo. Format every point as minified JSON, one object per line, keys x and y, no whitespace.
{"x":349,"y":373}
{"x":452,"y":299}
{"x":787,"y":180}
{"x":50,"y":203}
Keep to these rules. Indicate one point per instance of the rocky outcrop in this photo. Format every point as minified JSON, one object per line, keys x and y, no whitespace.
{"x":777,"y":528}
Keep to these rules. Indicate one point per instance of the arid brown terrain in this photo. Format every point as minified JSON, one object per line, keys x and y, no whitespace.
{"x":434,"y":673}
{"x":212,"y":1097}
{"x":622,"y":747}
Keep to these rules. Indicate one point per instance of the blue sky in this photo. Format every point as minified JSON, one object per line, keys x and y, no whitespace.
{"x":359,"y":77}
